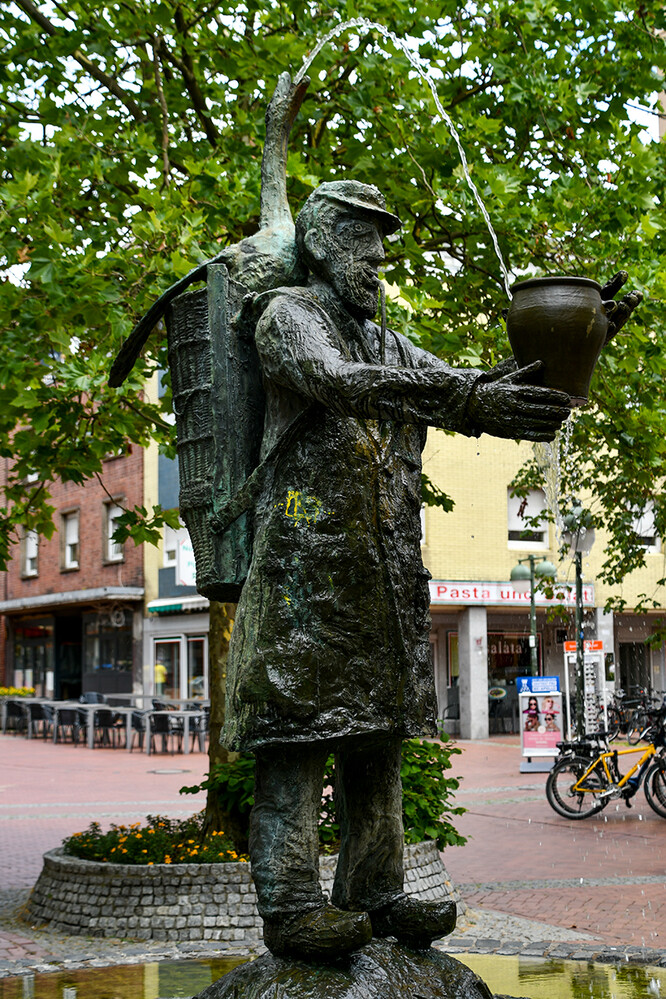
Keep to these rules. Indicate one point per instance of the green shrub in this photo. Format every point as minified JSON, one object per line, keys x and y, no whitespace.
{"x":426,"y":793}
{"x":159,"y":841}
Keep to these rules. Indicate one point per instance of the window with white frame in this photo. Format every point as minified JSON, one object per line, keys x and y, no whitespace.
{"x":171,"y":539}
{"x":70,"y":540}
{"x":645,"y":531}
{"x":113,"y":552}
{"x":527,"y":524}
{"x":30,"y":553}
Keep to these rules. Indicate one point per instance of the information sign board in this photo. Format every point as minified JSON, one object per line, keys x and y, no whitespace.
{"x":540,"y":713}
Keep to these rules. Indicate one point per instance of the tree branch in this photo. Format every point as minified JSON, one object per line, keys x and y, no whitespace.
{"x":109,"y":82}
{"x":156,"y":44}
{"x":185,"y":66}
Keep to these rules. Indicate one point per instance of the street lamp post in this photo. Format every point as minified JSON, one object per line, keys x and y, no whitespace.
{"x":579,"y":536}
{"x":524,"y":578}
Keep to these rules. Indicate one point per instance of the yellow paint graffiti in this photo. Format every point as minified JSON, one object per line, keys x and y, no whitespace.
{"x":299,"y":507}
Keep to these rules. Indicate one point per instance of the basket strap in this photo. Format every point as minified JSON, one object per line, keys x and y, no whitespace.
{"x":249,"y":492}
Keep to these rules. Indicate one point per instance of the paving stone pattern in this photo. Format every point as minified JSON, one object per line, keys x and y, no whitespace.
{"x":186,"y":902}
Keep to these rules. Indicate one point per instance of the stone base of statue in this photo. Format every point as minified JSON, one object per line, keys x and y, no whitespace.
{"x":382,"y":970}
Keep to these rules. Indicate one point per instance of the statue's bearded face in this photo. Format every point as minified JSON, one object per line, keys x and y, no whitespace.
{"x":353,"y":252}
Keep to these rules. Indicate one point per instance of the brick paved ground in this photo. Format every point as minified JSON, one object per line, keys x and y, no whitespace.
{"x":49,"y":791}
{"x":522,"y":861}
{"x":604,"y":876}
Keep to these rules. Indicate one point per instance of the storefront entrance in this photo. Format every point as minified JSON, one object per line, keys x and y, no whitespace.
{"x":634,"y":665}
{"x":508,"y":658}
{"x":180,"y":667}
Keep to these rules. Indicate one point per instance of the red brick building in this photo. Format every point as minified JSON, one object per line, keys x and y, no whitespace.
{"x":72,"y":606}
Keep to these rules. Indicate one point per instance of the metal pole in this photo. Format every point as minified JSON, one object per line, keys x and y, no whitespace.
{"x":533,"y":629}
{"x":580,"y":649}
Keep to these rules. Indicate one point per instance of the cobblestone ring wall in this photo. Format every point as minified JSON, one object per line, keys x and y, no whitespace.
{"x":183,"y":901}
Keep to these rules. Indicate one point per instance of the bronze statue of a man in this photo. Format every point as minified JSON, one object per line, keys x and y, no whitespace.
{"x":330,"y":648}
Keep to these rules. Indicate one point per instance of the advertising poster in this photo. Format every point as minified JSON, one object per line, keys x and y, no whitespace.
{"x":540,"y":714}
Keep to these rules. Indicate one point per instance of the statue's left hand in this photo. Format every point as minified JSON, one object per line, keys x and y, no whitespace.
{"x":509,"y":406}
{"x":618,"y":312}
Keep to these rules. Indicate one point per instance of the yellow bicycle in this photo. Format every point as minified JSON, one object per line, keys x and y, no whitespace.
{"x":587,"y":774}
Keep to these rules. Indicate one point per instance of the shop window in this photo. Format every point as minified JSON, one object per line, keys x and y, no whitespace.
{"x":527,"y":524}
{"x":32,"y":640}
{"x":113,"y":552}
{"x":108,"y":651}
{"x":196,"y":666}
{"x":645,"y":531}
{"x":69,"y":534}
{"x":30,"y":553}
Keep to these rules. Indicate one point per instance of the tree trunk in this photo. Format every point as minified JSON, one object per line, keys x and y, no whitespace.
{"x":219,"y":634}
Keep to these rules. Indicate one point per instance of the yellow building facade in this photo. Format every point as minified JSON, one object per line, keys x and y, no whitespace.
{"x":481,"y":623}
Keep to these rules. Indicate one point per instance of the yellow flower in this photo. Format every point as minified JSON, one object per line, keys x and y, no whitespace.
{"x":167,"y":860}
{"x":150,"y":863}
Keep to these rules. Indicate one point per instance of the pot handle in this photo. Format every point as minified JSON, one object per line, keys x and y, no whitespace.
{"x":609,"y":309}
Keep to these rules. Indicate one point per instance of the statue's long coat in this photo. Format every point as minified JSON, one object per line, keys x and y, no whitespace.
{"x":331,"y":634}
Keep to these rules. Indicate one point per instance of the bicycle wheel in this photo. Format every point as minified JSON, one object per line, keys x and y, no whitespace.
{"x":655,"y":790}
{"x":638,"y":724}
{"x":574,"y":804}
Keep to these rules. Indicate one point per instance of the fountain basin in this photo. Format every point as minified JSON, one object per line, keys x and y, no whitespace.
{"x":533,"y":978}
{"x":185,"y":902}
{"x":562,"y":322}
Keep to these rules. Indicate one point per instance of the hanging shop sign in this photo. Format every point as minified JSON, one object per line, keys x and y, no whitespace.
{"x":540,"y":714}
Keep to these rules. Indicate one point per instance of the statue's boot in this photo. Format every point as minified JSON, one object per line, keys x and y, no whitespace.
{"x":413,"y":923}
{"x":324,"y":934}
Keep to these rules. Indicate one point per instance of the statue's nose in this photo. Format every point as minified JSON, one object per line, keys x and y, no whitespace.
{"x":375,"y":250}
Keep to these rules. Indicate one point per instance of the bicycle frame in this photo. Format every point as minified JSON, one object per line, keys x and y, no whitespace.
{"x":608,"y":760}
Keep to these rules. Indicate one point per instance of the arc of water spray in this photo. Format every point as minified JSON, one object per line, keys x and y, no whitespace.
{"x":361,"y":22}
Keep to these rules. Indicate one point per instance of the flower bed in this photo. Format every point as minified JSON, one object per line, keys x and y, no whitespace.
{"x":183,"y":901}
{"x":159,"y":840}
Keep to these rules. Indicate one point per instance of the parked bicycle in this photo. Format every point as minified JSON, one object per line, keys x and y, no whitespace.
{"x":621,"y":711}
{"x":640,"y":722}
{"x":587,"y":774}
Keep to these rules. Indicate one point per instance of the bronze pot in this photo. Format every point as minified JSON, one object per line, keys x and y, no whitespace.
{"x":560,"y":321}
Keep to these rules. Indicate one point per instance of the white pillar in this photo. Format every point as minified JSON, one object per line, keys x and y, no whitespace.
{"x":473,"y":662}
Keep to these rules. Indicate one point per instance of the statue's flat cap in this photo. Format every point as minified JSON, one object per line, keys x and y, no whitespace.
{"x":351,"y":194}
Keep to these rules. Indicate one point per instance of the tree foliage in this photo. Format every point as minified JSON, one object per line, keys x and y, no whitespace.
{"x":131,"y":138}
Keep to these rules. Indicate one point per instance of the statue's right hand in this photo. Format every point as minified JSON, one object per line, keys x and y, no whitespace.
{"x":512,"y":407}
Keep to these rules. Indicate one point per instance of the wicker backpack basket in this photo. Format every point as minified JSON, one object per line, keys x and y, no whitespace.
{"x":219,"y":403}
